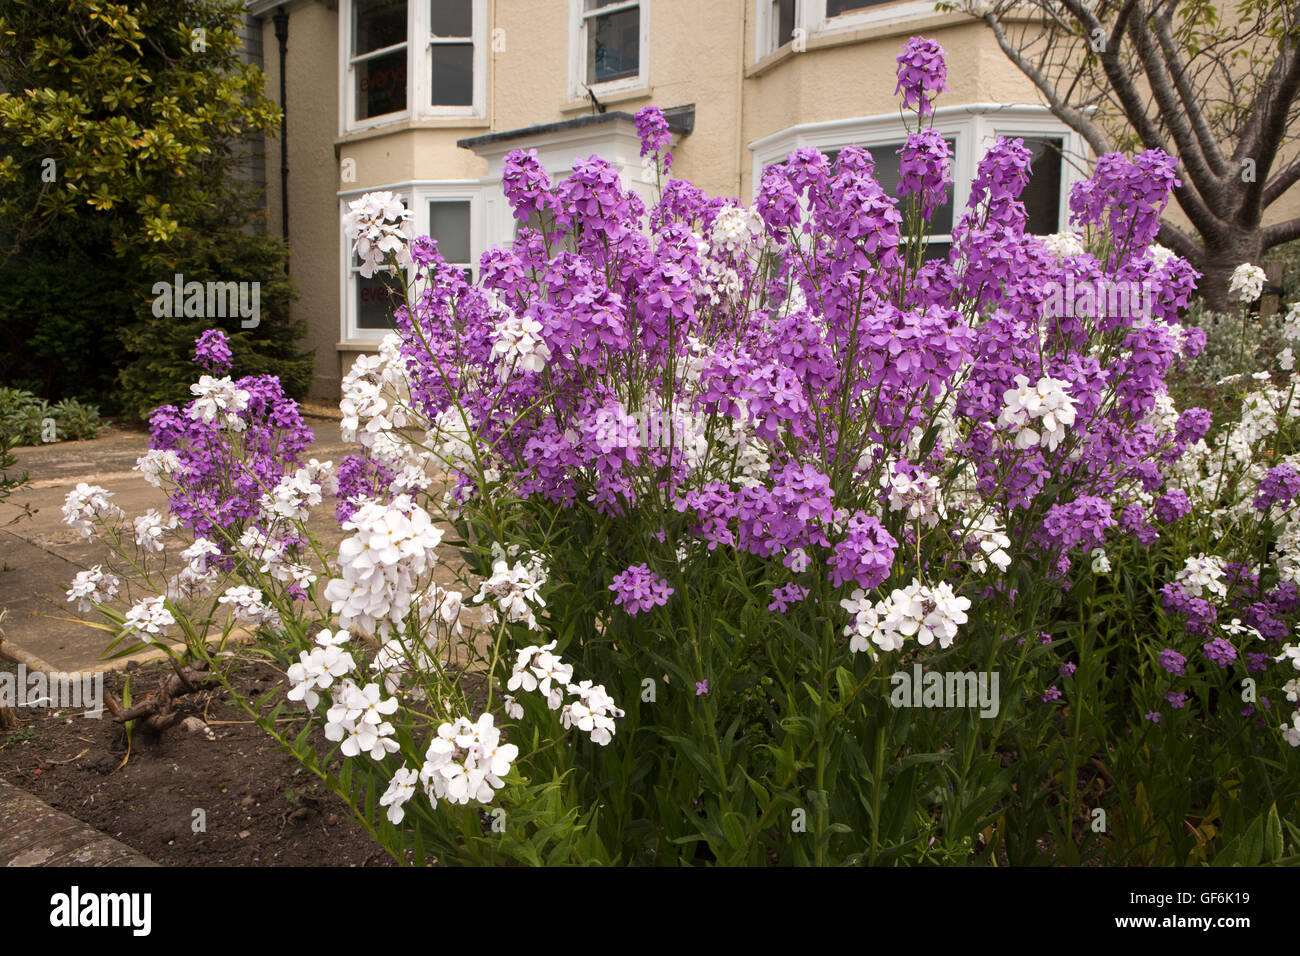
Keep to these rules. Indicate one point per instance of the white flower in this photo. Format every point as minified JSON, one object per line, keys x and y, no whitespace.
{"x":92,"y":587}
{"x":513,"y":708}
{"x":1063,"y":244}
{"x":217,"y":396}
{"x":86,"y":504}
{"x":517,"y":343}
{"x":149,"y":619}
{"x":155,"y":463}
{"x":1247,"y":282}
{"x":1047,"y":405}
{"x":919,"y":611}
{"x":247,"y":607}
{"x":149,"y":530}
{"x":516,"y":589}
{"x":1202,"y":574}
{"x":376,"y":223}
{"x":400,"y":790}
{"x":1286,"y":359}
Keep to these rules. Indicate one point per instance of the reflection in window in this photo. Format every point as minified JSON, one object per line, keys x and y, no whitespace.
{"x":379,"y":54}
{"x":613,"y":29}
{"x":452,"y":41}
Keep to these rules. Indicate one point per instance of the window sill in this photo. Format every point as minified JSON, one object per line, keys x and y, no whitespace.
{"x":359,"y":345}
{"x":608,"y":99}
{"x":402,"y":126}
{"x":830,"y":37}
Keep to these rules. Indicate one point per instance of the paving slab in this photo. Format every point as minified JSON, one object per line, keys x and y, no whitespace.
{"x":39,"y":554}
{"x":32,"y":833}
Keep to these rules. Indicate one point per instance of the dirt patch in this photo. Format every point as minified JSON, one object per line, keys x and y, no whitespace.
{"x":258,"y":807}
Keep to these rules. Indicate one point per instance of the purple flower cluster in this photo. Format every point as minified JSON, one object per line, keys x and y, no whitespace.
{"x":218,"y":489}
{"x":639,"y":589}
{"x":922,"y":73}
{"x":1278,"y":488}
{"x":1126,"y":197}
{"x":1173,"y":662}
{"x":924,"y":170}
{"x":652,"y":128}
{"x":212,"y":352}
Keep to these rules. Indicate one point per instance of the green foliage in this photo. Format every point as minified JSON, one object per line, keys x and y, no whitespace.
{"x":124,"y":132}
{"x":137,"y":115}
{"x":161,"y":349}
{"x":23,"y":416}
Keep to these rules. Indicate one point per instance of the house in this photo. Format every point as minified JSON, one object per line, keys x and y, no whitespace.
{"x":426,"y":97}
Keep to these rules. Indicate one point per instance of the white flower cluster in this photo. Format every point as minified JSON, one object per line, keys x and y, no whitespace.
{"x":150,"y":528}
{"x":925,"y":613}
{"x":1063,"y":244}
{"x":93,"y":587}
{"x":149,"y":619}
{"x":591,"y":710}
{"x":155,"y":463}
{"x":398,"y":655}
{"x":918,"y":497}
{"x":295,"y":495}
{"x":373,"y":389}
{"x":465,"y":761}
{"x":1247,"y":282}
{"x":376,"y":222}
{"x":1202,"y":575}
{"x":738,"y":229}
{"x":318,"y":668}
{"x":515,"y":589}
{"x":380,"y":565}
{"x":1048,"y":404}
{"x":356,"y":718}
{"x":87,"y":504}
{"x":198,"y":576}
{"x":1291,"y":733}
{"x":218,"y":397}
{"x":990,"y":538}
{"x":518,"y":344}
{"x":248,"y":607}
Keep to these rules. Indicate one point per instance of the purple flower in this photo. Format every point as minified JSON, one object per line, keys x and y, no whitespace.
{"x":1171,"y":507}
{"x":923,"y":169}
{"x":1052,"y":694}
{"x":1068,"y":669}
{"x":212,"y":351}
{"x":639,"y":589}
{"x":701,"y":687}
{"x":1176,"y":700}
{"x":1279,"y":487}
{"x":783,"y":597}
{"x":921,"y":71}
{"x":1153,"y":716}
{"x":1173,"y":662}
{"x":652,"y":128}
{"x":1219,"y":651}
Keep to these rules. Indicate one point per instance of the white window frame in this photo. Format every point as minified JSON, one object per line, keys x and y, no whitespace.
{"x":419,"y":65}
{"x":578,"y":18}
{"x":886,"y":14}
{"x":417,"y":195}
{"x":810,"y":17}
{"x":974,"y":127}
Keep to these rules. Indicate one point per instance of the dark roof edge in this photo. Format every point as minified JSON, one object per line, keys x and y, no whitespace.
{"x":681,"y":120}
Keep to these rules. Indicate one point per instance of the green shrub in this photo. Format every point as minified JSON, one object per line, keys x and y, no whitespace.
{"x":23,"y":416}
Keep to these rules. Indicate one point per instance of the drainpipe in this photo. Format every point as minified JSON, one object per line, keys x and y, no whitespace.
{"x":281,"y":21}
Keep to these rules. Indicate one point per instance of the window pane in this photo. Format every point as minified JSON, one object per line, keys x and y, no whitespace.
{"x":835,"y":7}
{"x":449,"y":224}
{"x":453,"y":74}
{"x":453,"y":18}
{"x":381,"y":85}
{"x":887,"y":169}
{"x":613,"y":46}
{"x":376,"y":300}
{"x":1042,"y":197}
{"x":597,"y":4}
{"x":377,"y":24}
{"x":783,"y":17}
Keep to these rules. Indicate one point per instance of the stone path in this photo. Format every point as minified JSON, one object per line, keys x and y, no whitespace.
{"x":40,"y":555}
{"x":32,"y":833}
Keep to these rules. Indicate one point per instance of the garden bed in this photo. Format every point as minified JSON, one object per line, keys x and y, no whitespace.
{"x":261,"y":809}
